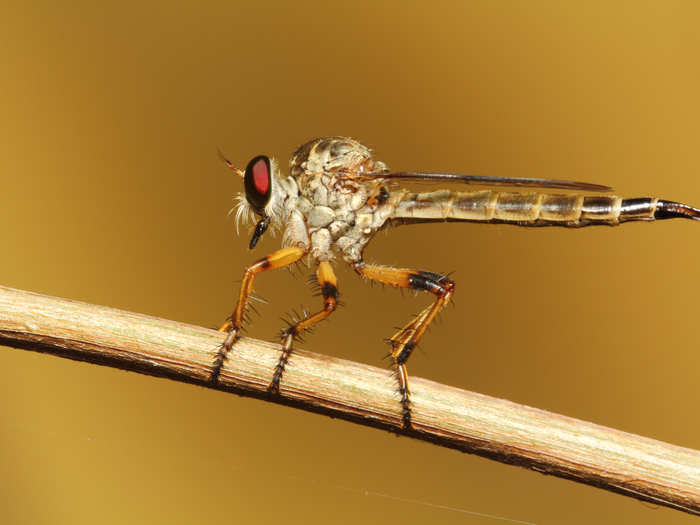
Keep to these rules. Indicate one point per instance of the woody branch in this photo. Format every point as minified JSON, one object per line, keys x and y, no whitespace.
{"x":553,"y":444}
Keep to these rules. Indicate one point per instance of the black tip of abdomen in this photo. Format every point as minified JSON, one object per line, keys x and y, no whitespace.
{"x":673,"y":210}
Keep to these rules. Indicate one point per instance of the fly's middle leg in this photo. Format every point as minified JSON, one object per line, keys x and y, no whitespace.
{"x":405,"y":340}
{"x":278,"y":259}
{"x":329,"y":291}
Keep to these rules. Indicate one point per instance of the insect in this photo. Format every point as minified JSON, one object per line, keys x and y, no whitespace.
{"x":337,"y":196}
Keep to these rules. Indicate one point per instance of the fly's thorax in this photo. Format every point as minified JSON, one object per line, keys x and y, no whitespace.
{"x":345,"y":228}
{"x":368,"y":220}
{"x":337,"y":204}
{"x":330,"y":210}
{"x":291,"y":217}
{"x":342,"y":156}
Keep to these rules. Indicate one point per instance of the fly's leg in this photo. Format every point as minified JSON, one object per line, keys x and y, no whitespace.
{"x":329,"y":291}
{"x":405,"y":340}
{"x":278,"y":259}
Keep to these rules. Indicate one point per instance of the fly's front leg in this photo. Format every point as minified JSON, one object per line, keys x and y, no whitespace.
{"x":329,"y":291}
{"x":278,"y":259}
{"x":405,"y":340}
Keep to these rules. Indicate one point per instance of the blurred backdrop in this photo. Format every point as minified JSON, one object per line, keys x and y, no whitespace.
{"x":112,"y":193}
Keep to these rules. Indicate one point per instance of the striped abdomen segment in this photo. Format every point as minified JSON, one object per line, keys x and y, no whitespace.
{"x":536,"y":208}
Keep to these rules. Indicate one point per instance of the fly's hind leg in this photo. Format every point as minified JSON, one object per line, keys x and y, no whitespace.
{"x":329,"y":291}
{"x":405,"y":340}
{"x":278,"y":259}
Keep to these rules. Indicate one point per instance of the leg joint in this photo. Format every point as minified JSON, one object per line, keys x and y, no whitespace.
{"x":329,"y":304}
{"x":405,"y":353}
{"x":431,"y":282}
{"x":329,"y":291}
{"x":291,"y":330}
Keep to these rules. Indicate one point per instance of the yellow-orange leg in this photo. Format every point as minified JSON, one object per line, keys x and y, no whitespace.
{"x":405,"y":340}
{"x":329,"y":291}
{"x":278,"y":259}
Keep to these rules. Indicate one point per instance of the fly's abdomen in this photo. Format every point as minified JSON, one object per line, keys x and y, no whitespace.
{"x":535,"y":209}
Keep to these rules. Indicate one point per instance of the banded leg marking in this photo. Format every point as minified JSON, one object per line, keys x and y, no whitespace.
{"x":329,"y":290}
{"x":278,"y":259}
{"x":405,"y":340}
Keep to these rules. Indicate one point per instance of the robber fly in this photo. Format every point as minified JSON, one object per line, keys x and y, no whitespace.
{"x":337,"y":196}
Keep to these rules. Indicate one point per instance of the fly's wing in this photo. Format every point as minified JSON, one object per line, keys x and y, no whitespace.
{"x":488,"y":181}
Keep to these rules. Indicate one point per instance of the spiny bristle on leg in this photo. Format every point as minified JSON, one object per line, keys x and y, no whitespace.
{"x":297,"y":269}
{"x":282,"y":334}
{"x":257,"y":297}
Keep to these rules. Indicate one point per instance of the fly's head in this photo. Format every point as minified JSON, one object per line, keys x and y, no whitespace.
{"x":261,"y":201}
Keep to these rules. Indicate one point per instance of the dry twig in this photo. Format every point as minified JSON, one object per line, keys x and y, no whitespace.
{"x":643,"y":468}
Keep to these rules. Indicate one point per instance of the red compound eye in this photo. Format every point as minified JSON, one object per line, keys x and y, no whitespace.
{"x":257,"y":181}
{"x":261,"y":176}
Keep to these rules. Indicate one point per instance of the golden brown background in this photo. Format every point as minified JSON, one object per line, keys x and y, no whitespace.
{"x":112,"y":193}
